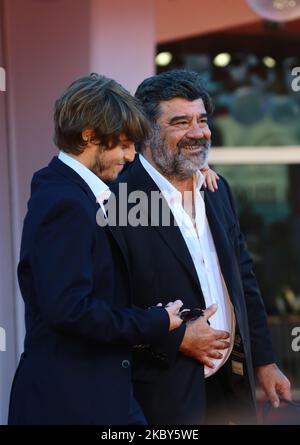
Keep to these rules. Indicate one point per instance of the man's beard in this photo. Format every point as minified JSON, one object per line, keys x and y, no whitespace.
{"x":179,"y":163}
{"x":98,"y":166}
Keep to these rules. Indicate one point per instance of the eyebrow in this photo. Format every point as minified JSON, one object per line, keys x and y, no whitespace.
{"x":185,"y":116}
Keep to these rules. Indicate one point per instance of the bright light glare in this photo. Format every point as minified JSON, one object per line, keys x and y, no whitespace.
{"x":222,"y":59}
{"x":269,"y":61}
{"x":164,"y":58}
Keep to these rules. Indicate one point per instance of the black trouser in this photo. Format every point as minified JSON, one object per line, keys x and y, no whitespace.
{"x":228,"y":399}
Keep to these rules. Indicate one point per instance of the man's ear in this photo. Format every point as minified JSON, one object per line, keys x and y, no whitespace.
{"x":88,"y":135}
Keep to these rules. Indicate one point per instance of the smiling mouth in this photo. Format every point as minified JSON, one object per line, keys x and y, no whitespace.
{"x":194,"y":148}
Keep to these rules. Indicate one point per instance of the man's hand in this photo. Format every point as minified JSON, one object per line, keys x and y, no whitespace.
{"x":173,"y":309}
{"x":274,"y":383}
{"x":211,"y":179}
{"x":202,"y":342}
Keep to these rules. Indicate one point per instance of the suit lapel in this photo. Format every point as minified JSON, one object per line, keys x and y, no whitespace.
{"x":70,"y":174}
{"x":170,"y":234}
{"x":222,"y":243}
{"x":175,"y":241}
{"x":66,"y":171}
{"x":118,"y":237}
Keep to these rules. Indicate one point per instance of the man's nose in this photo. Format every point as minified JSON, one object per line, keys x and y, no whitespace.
{"x":197,"y":132}
{"x":129,"y":153}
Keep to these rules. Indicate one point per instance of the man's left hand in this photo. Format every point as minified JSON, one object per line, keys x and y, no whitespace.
{"x":274,"y":383}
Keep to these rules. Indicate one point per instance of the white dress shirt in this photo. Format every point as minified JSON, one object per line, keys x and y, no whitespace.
{"x":200,"y":243}
{"x":98,"y":187}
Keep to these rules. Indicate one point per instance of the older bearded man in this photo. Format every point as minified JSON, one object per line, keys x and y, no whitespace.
{"x":204,"y":371}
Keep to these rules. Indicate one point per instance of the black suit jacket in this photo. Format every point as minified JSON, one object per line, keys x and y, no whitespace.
{"x":169,"y":386}
{"x":73,"y":276}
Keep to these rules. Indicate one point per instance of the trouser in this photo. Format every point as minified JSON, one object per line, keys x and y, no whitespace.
{"x":228,"y":399}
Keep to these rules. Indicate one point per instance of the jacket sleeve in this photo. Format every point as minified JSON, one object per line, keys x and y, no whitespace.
{"x":260,"y":339}
{"x":63,"y":272}
{"x":163,"y":352}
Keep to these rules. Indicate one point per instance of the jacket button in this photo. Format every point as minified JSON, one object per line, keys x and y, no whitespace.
{"x":125,"y":364}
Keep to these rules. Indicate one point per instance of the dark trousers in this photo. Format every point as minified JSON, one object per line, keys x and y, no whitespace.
{"x":228,"y":399}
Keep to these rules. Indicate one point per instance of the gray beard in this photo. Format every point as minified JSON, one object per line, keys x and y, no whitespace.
{"x":177,"y":164}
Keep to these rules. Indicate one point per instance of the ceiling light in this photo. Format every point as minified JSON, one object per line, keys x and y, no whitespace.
{"x":222,"y":59}
{"x":163,"y":58}
{"x":269,"y":61}
{"x":276,"y":10}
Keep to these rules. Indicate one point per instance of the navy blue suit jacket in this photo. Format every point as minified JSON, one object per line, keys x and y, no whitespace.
{"x":80,"y":326}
